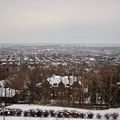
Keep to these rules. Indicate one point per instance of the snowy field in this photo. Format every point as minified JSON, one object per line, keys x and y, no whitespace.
{"x":56,"y":109}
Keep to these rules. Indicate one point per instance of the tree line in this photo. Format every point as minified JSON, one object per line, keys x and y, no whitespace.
{"x":30,"y":82}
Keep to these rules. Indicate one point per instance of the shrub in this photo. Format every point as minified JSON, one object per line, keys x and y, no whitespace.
{"x":98,"y":116}
{"x":25,"y":113}
{"x":46,"y":113}
{"x":90,"y":115}
{"x":66,"y":114}
{"x":1,"y":113}
{"x":81,"y":115}
{"x":18,"y":112}
{"x":32,"y":113}
{"x":74,"y":114}
{"x":60,"y":114}
{"x":107,"y":116}
{"x":5,"y":112}
{"x":11,"y":112}
{"x":52,"y":113}
{"x":115,"y":116}
{"x":39,"y":113}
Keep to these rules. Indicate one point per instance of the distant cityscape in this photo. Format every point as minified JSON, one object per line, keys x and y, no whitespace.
{"x":90,"y":54}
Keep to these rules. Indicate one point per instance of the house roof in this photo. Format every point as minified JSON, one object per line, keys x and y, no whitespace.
{"x":55,"y":80}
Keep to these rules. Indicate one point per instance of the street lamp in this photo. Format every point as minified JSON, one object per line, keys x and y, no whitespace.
{"x":3,"y":106}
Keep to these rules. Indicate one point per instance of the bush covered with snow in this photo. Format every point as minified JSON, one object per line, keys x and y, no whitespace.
{"x":74,"y":114}
{"x":82,"y":115}
{"x":52,"y":113}
{"x":26,"y":113}
{"x":107,"y":116}
{"x":98,"y":116}
{"x":90,"y":115}
{"x":45,"y":113}
{"x":59,"y":114}
{"x":39,"y":113}
{"x":115,"y":116}
{"x":32,"y":113}
{"x":66,"y":114}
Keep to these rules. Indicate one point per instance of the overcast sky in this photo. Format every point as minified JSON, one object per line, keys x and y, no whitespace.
{"x":59,"y":21}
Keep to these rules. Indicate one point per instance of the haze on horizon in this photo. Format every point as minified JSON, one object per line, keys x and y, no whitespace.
{"x":64,"y":21}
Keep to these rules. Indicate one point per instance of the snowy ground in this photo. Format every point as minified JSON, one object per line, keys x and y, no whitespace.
{"x":30,"y":118}
{"x":28,"y":107}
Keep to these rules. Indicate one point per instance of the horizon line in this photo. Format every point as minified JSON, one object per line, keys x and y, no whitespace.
{"x":85,"y":44}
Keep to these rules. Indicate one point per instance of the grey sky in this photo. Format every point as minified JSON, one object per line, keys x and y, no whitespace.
{"x":59,"y":21}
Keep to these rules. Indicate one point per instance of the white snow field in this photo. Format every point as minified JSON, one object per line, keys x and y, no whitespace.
{"x":27,"y":107}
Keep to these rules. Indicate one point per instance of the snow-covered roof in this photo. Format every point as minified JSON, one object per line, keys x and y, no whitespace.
{"x":55,"y":80}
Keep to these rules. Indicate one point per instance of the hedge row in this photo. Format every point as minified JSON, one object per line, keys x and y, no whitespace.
{"x":58,"y":114}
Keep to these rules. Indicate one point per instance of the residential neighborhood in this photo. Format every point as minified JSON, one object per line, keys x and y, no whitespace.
{"x":61,"y":75}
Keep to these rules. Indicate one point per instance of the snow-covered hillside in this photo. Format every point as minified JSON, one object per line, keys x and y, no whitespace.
{"x":24,"y":108}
